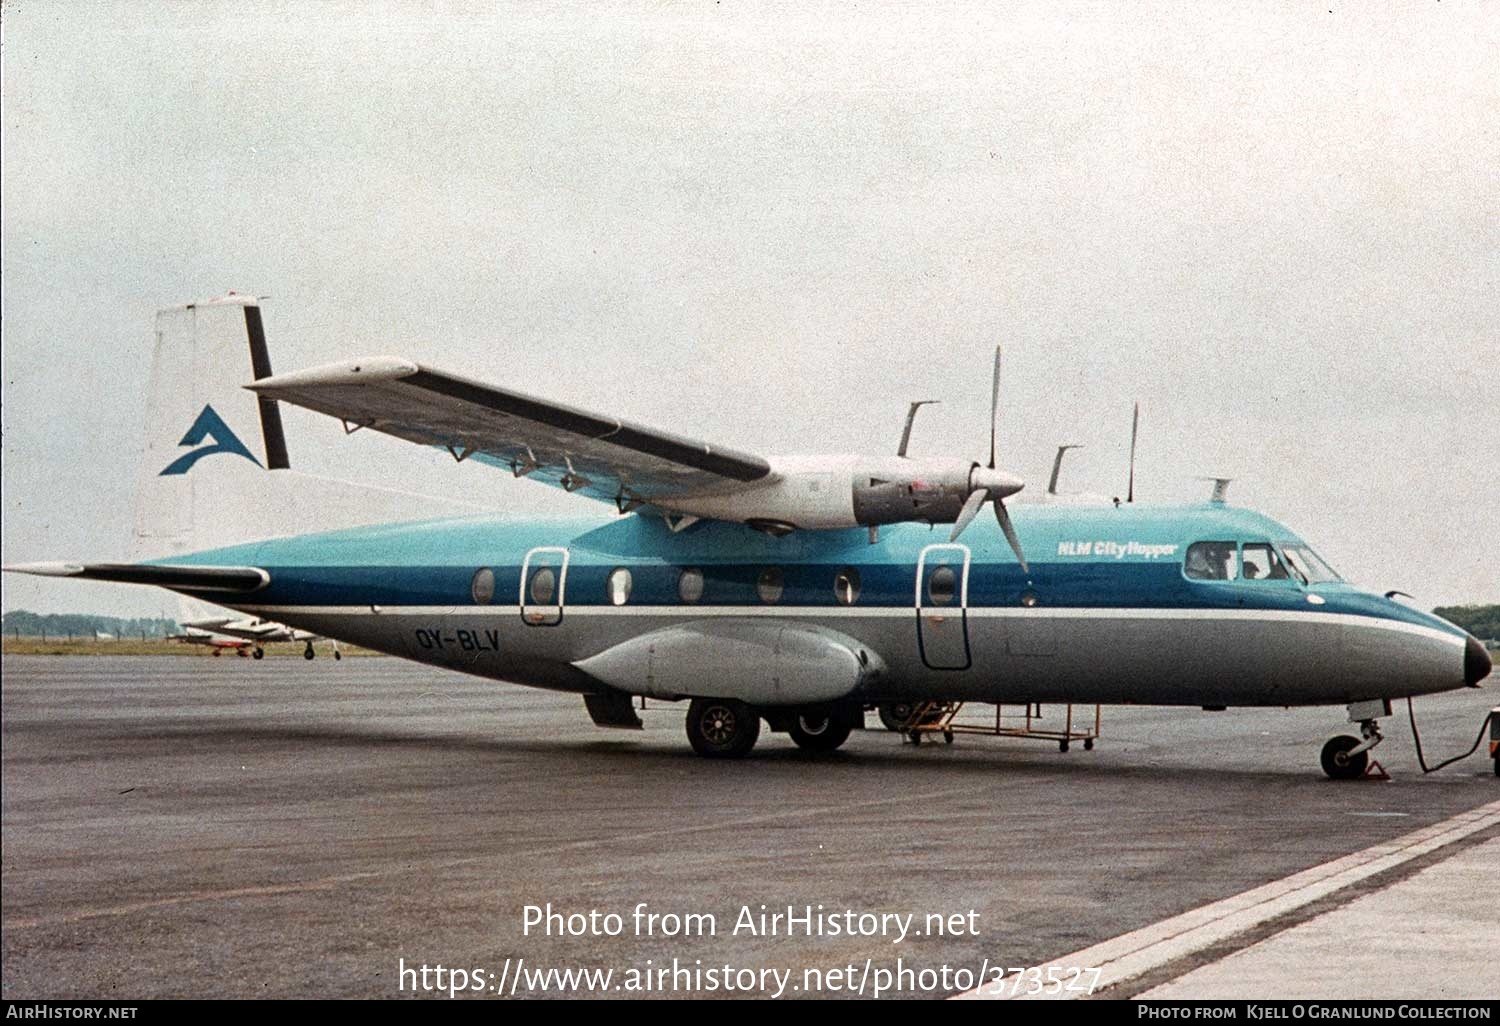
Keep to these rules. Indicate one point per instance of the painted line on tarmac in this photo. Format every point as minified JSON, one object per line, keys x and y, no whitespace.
{"x":1133,"y":954}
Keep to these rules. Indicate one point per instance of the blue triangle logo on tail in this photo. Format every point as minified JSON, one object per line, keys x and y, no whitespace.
{"x":208,"y":425}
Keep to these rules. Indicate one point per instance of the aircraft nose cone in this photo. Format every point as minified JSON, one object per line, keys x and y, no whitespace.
{"x":1477,"y":663}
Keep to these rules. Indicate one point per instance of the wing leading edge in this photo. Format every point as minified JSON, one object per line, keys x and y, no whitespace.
{"x":602,"y":457}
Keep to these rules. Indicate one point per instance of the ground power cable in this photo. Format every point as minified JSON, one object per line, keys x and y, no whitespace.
{"x":1416,"y":737}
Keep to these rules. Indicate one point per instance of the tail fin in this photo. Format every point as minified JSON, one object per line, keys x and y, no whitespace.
{"x":216,"y":469}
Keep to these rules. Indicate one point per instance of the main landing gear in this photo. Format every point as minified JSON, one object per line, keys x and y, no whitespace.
{"x":1346,"y":757}
{"x":308,"y":653}
{"x":726,"y":728}
{"x":722,"y":728}
{"x":819,"y":730}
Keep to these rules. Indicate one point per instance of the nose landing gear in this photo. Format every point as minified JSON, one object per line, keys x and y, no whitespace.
{"x":1346,"y":757}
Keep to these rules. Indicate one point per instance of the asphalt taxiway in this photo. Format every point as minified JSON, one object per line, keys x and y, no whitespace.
{"x":187,"y":827}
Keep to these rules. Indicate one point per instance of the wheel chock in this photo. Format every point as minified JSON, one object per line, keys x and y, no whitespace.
{"x":1375,"y":771}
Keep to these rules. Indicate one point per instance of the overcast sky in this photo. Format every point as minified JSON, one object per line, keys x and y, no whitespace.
{"x":1278,"y":226}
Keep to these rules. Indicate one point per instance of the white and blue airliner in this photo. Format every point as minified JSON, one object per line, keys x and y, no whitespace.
{"x":792,"y":592}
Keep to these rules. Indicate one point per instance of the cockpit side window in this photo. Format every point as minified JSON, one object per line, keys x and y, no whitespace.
{"x":1212,"y":561}
{"x":1261,"y":563}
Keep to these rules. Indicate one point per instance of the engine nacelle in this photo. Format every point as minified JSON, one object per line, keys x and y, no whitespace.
{"x":897,"y":490}
{"x":819,"y":493}
{"x":757,"y":661}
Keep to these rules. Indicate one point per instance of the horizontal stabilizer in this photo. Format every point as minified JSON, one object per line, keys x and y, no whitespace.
{"x":233,"y":579}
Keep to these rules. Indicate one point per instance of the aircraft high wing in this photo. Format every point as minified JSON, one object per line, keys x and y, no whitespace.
{"x":601,"y":457}
{"x":635,"y":467}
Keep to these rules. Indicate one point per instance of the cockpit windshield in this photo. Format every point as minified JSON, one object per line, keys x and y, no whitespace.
{"x":1262,"y":563}
{"x":1256,"y":561}
{"x":1309,"y":564}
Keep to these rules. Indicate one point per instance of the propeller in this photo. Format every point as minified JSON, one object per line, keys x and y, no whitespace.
{"x":987,"y":484}
{"x":1135,"y":423}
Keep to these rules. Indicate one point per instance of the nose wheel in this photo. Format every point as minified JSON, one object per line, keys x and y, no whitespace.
{"x":1346,"y":757}
{"x":1341,"y":762}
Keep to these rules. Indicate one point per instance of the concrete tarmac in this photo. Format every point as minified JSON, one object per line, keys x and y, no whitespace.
{"x":1432,"y":935}
{"x":203,"y":828}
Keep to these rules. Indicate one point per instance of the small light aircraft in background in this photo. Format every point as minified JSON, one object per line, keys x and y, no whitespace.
{"x":256,"y":633}
{"x":218,"y":642}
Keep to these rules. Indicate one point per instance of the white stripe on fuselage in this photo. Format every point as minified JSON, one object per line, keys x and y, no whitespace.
{"x":857,"y":612}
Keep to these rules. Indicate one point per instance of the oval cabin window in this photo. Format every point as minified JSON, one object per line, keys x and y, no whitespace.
{"x":543,"y":586}
{"x":690,"y":585}
{"x":770,"y":584}
{"x":846,"y":586}
{"x":618,"y":586}
{"x":483,"y":586}
{"x":942,"y":585}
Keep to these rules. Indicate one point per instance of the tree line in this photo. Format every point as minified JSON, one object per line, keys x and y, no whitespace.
{"x":26,"y":624}
{"x":1481,"y":621}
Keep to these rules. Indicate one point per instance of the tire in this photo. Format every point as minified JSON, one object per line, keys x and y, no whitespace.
{"x":722,"y":728}
{"x":1338,"y":764}
{"x":896,"y":716}
{"x":819,"y":730}
{"x":259,"y":653}
{"x":308,"y":652}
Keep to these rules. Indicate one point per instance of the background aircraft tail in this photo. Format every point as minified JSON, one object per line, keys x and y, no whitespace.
{"x":217,"y":464}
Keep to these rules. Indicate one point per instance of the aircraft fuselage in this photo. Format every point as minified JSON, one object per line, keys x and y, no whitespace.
{"x":1110,"y":610}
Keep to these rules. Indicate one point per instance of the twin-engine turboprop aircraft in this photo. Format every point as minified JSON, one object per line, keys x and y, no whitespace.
{"x":256,"y":633}
{"x":791,"y":591}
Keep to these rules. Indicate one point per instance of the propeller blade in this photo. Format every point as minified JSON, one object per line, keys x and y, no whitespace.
{"x":969,"y":512}
{"x":994,"y":405}
{"x":1135,"y":423}
{"x":1003,"y":515}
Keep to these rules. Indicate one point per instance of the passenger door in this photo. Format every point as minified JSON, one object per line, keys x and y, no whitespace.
{"x":544,"y":579}
{"x":942,"y":600}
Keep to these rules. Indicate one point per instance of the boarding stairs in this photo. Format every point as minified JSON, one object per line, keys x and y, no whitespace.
{"x":942,"y":719}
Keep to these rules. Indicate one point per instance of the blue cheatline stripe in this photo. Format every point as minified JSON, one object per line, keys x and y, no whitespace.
{"x":427,"y":563}
{"x":810,"y":587}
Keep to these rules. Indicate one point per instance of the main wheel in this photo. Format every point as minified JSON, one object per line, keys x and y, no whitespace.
{"x":722,"y":728}
{"x":896,"y":716}
{"x":259,"y":653}
{"x":1339,"y":764}
{"x":820,"y":730}
{"x":308,"y":653}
